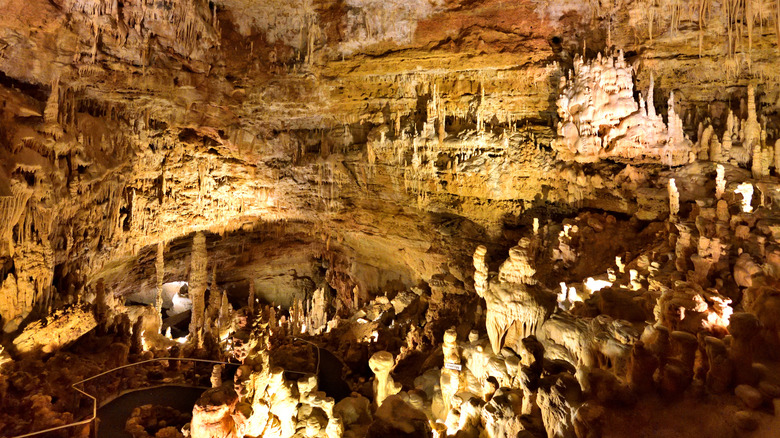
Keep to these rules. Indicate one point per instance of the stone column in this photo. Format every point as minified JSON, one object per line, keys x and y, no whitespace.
{"x":197,"y":287}
{"x":674,"y":199}
{"x":481,"y":270}
{"x":216,"y":376}
{"x":450,"y":376}
{"x":159,"y":266}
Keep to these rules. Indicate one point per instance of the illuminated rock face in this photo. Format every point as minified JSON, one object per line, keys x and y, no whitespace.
{"x":58,"y":330}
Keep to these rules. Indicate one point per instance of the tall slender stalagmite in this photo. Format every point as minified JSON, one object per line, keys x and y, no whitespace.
{"x":197,"y":285}
{"x":159,"y":266}
{"x":251,"y":301}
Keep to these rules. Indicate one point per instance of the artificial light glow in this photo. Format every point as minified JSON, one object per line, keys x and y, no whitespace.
{"x":746,"y":190}
{"x":593,"y":285}
{"x":372,"y":338}
{"x":144,"y":344}
{"x":720,"y":317}
{"x":564,"y":293}
{"x":573,"y":296}
{"x":701,"y":305}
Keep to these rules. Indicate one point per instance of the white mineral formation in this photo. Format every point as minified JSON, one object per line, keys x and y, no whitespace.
{"x":674,"y":198}
{"x":745,"y":189}
{"x":450,"y":373}
{"x":599,"y":117}
{"x":480,"y":270}
{"x":720,"y":181}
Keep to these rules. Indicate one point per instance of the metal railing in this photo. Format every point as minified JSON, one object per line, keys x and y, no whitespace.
{"x":316,"y":368}
{"x":94,"y":400}
{"x":93,"y":415}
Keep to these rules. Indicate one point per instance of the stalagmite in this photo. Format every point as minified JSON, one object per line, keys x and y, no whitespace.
{"x":159,"y":267}
{"x":516,"y":306}
{"x":752,"y":129}
{"x":746,"y":190}
{"x":450,"y":373}
{"x":216,"y":376}
{"x":674,"y":199}
{"x":720,"y":181}
{"x":756,"y":164}
{"x":382,"y":363}
{"x":251,"y":299}
{"x":197,"y":288}
{"x":481,"y":271}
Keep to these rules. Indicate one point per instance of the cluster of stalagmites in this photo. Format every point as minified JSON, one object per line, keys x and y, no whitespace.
{"x":262,"y":401}
{"x":553,"y":363}
{"x":599,"y":118}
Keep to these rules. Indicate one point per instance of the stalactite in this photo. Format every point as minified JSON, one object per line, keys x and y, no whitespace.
{"x":704,"y":8}
{"x":777,"y":24}
{"x":113,"y":207}
{"x":52,"y":110}
{"x":749,"y":18}
{"x":11,"y":209}
{"x":674,"y":13}
{"x":734,"y":18}
{"x":650,"y":20}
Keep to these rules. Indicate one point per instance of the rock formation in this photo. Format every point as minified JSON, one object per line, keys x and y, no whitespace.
{"x":384,"y":218}
{"x":381,"y":364}
{"x":516,"y":305}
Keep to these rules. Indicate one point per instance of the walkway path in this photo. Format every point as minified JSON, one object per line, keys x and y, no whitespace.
{"x":329,"y":376}
{"x":115,"y":413}
{"x":113,"y":416}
